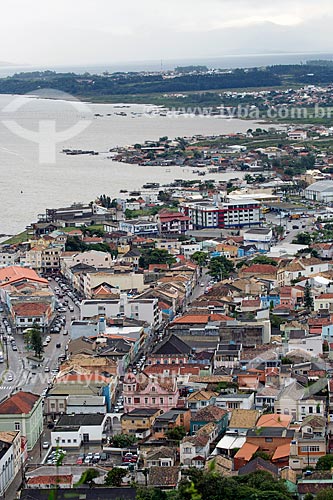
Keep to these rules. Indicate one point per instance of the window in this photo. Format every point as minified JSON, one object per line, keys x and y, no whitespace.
{"x":69,"y":440}
{"x":146,"y":401}
{"x":136,"y":400}
{"x":161,"y":400}
{"x":268,"y":440}
{"x":153,"y":400}
{"x":310,"y":409}
{"x":153,"y":389}
{"x":17,"y":426}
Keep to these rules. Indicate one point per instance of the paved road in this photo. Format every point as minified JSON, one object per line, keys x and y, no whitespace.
{"x":25,"y":373}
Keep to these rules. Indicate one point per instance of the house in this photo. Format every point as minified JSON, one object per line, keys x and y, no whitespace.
{"x":266,"y":439}
{"x":243,"y":401}
{"x":161,"y":457}
{"x":172,"y":350}
{"x":71,"y":431}
{"x":209,"y":414}
{"x":242,"y":420}
{"x":259,"y":464}
{"x":177,"y":417}
{"x":163,"y":477}
{"x":227,"y":355}
{"x":263,"y":271}
{"x":265,"y":398}
{"x":310,"y":343}
{"x":149,"y":392}
{"x":173,"y":222}
{"x":298,"y":401}
{"x":260,"y":237}
{"x":323,"y":302}
{"x":139,"y":227}
{"x":194,"y":450}
{"x":309,"y":443}
{"x":139,"y":421}
{"x":23,"y":411}
{"x":274,"y":420}
{"x":200,"y":399}
{"x":229,"y":444}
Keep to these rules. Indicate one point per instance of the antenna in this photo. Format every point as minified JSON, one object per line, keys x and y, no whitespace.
{"x":161,"y":66}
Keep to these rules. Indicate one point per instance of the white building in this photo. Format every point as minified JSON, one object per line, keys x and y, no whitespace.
{"x":10,"y":458}
{"x":190,"y":249}
{"x":141,"y":309}
{"x":320,"y":191}
{"x":260,"y":237}
{"x":310,"y":343}
{"x":73,"y":430}
{"x":236,"y":213}
{"x":93,"y":258}
{"x":138,"y":227}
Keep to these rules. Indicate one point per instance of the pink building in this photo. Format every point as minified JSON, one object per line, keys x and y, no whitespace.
{"x":143,"y":391}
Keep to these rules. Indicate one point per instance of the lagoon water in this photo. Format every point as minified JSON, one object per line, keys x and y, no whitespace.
{"x":28,"y":186}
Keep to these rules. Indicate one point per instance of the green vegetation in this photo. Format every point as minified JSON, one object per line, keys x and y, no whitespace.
{"x":17,"y":239}
{"x":88,"y":476}
{"x":220,"y":267}
{"x":75,"y":244}
{"x":262,"y":259}
{"x":200,"y":258}
{"x":33,"y":338}
{"x":155,"y":256}
{"x":176,"y":434}
{"x":123,"y":440}
{"x":308,"y":300}
{"x":115,"y":476}
{"x":325,"y":462}
{"x":202,"y":485}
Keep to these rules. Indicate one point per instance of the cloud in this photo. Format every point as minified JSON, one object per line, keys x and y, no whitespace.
{"x":86,"y":32}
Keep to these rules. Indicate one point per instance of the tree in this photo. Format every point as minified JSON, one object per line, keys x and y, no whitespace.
{"x":302,"y":239}
{"x":325,"y":462}
{"x":150,"y":494}
{"x":308,"y":300}
{"x":262,"y":259}
{"x":34,"y":339}
{"x":155,"y":256}
{"x":176,"y":434}
{"x":123,"y":440}
{"x":326,"y":494}
{"x":88,"y":476}
{"x":115,"y":476}
{"x":220,"y":267}
{"x":199,"y":258}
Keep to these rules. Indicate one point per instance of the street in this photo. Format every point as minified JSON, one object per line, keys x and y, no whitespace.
{"x":26,"y":373}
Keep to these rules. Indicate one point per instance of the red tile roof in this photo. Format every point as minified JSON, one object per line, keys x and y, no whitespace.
{"x":259,"y":269}
{"x":282,"y":451}
{"x":202,"y":318}
{"x":65,"y":478}
{"x":11,"y":274}
{"x":324,"y":296}
{"x":30,"y":309}
{"x":21,"y":402}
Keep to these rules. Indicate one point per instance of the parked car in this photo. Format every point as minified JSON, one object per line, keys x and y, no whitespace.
{"x":58,"y":346}
{"x":46,"y":445}
{"x":96,"y":458}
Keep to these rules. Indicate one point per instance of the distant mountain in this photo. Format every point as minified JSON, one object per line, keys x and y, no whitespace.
{"x":6,"y":64}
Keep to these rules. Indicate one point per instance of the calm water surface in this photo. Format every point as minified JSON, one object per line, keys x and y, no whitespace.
{"x":27,"y":187}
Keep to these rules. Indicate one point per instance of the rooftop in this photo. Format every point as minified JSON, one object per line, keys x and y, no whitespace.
{"x":20,"y":403}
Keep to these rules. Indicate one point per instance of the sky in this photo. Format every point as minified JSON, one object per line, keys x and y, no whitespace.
{"x":68,"y":32}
